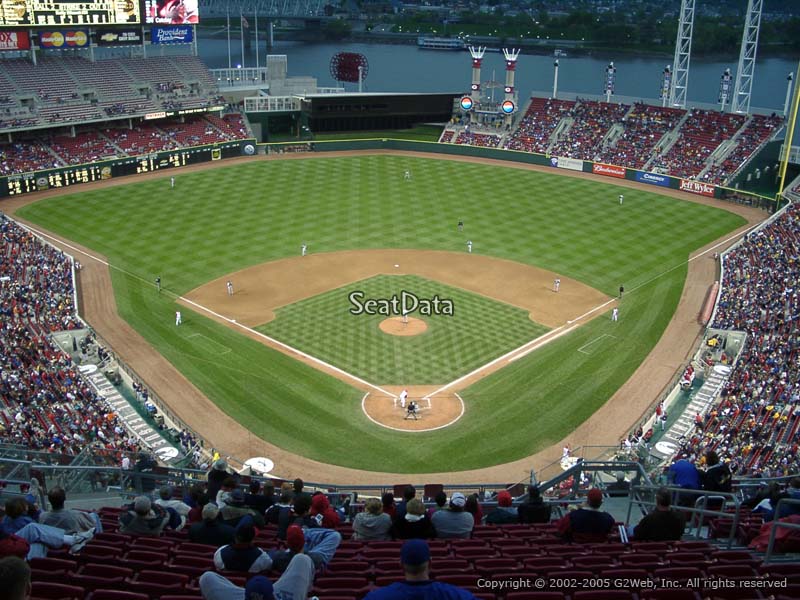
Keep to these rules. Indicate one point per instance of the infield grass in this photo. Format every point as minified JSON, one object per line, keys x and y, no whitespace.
{"x":480,"y":330}
{"x":222,"y":220}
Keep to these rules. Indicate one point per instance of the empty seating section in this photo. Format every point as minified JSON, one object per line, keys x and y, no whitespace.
{"x":173,"y":565}
{"x":86,"y":147}
{"x":537,"y":126}
{"x":486,"y":140}
{"x":74,"y":90}
{"x":592,"y":121}
{"x":645,"y":125}
{"x":701,"y":134}
{"x":231,"y":125}
{"x":758,"y":130}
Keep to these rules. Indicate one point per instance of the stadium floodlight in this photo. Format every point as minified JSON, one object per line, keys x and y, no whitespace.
{"x":666,"y":83}
{"x":747,"y":57}
{"x":683,"y":53}
{"x":789,"y":80}
{"x":724,"y":88}
{"x":611,"y":79}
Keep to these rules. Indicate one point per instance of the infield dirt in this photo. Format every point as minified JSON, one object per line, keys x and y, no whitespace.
{"x":605,"y":427}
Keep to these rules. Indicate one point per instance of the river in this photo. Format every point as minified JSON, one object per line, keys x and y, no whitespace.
{"x":405,"y":68}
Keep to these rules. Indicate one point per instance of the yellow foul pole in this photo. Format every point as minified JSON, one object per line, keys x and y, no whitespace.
{"x":790,"y":132}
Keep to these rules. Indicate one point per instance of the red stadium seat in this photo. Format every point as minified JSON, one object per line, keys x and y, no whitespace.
{"x":45,"y":590}
{"x":116,"y":595}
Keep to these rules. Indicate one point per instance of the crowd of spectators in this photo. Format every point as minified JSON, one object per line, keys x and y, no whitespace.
{"x":45,"y":404}
{"x":537,"y":126}
{"x":755,"y":425}
{"x":592,"y":120}
{"x":472,"y":138}
{"x":23,"y":157}
{"x":758,"y":130}
{"x":644,"y":126}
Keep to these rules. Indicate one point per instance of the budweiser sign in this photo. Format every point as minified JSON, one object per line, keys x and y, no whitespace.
{"x":14,"y":40}
{"x":608,"y":170}
{"x":697,"y":187}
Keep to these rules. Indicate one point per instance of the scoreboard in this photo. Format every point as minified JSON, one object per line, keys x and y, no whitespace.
{"x":14,"y":185}
{"x":33,"y":13}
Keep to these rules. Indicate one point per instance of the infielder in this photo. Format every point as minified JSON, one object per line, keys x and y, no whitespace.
{"x":172,"y":183}
{"x":403,"y":398}
{"x":158,"y":283}
{"x":469,"y":246}
{"x":461,"y":224}
{"x":556,"y":284}
{"x":621,"y":198}
{"x":229,"y":287}
{"x":178,"y":320}
{"x":303,"y":250}
{"x":615,"y":314}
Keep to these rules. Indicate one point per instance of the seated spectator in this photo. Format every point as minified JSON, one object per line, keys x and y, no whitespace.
{"x":415,"y":557}
{"x":297,"y":489}
{"x":235,"y":508}
{"x":166,"y":501}
{"x":534,"y":510}
{"x":717,"y":476}
{"x":373,"y":523}
{"x":15,"y":578}
{"x":211,"y":530}
{"x":217,"y":474}
{"x":225,"y":491}
{"x":440,"y":503}
{"x":587,"y":524}
{"x":33,"y":540}
{"x":409,"y":492}
{"x":197,"y":499}
{"x":793,"y":493}
{"x":415,"y":524}
{"x":618,"y":488}
{"x":389,"y":506}
{"x":319,"y":544}
{"x":504,"y":514}
{"x":295,"y":582}
{"x":260,"y":502}
{"x":454,"y":522}
{"x":16,"y":516}
{"x":283,"y":505}
{"x":299,"y":515}
{"x":321,"y":507}
{"x":769,"y":501}
{"x":143,"y":518}
{"x":661,"y":525}
{"x":71,"y":521}
{"x":243,"y":555}
{"x":473,"y":507}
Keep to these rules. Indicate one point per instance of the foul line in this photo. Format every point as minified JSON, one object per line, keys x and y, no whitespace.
{"x":460,"y":414}
{"x":597,"y":339}
{"x":286,"y":347}
{"x":541,"y":342}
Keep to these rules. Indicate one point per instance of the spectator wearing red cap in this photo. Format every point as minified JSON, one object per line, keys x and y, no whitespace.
{"x":588,"y":523}
{"x":415,"y":557}
{"x":454,"y":522}
{"x":505,"y":513}
{"x":319,"y":544}
{"x":243,"y":554}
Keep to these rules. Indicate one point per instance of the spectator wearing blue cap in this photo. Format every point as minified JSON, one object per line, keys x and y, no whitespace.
{"x":243,"y":554}
{"x":416,"y":559}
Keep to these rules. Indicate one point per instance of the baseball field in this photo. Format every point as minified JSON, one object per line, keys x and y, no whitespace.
{"x":516,"y":367}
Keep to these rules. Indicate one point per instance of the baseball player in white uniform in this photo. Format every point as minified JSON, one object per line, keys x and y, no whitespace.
{"x":303,"y":250}
{"x":178,"y":320}
{"x":556,"y":284}
{"x":615,"y":314}
{"x":469,"y":246}
{"x":621,"y":198}
{"x":229,"y":287}
{"x":403,"y":398}
{"x":172,"y":183}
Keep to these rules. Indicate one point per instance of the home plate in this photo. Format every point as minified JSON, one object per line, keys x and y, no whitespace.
{"x":396,"y":266}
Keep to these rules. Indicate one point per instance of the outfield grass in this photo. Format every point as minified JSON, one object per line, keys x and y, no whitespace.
{"x":221,"y":220}
{"x":480,"y":330}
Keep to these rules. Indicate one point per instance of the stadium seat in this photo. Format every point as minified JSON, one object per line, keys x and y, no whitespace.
{"x":116,"y":595}
{"x":532,"y":595}
{"x":603,"y":595}
{"x":670,"y":594}
{"x":45,"y":590}
{"x":95,"y":576}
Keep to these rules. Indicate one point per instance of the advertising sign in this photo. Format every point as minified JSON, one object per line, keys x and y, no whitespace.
{"x":119,"y":37}
{"x":60,"y":13}
{"x":572,"y":164}
{"x":176,"y":34}
{"x":608,"y":170}
{"x":14,"y":40}
{"x":171,"y":12}
{"x":697,"y":187}
{"x":64,"y":38}
{"x":652,"y":178}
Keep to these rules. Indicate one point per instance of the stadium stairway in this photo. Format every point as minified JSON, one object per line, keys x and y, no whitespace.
{"x":667,"y":142}
{"x":561,"y":130}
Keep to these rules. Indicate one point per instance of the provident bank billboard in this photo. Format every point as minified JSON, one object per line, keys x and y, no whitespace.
{"x":608,"y":170}
{"x":14,"y":40}
{"x":697,"y":187}
{"x":177,"y":34}
{"x":652,"y":178}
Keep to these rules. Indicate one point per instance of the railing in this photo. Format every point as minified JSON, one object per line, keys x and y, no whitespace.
{"x":777,"y":524}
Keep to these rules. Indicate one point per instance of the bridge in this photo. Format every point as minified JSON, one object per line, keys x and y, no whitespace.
{"x":283,"y":9}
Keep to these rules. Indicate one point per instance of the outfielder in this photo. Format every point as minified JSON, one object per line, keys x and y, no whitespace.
{"x":172,"y":183}
{"x":615,"y":314}
{"x":303,"y":250}
{"x":621,"y":198}
{"x":469,"y":246}
{"x":178,"y":320}
{"x":407,"y":175}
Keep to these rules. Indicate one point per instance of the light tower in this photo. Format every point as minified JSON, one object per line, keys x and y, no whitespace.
{"x":788,"y":95}
{"x":666,"y":84}
{"x":724,"y":88}
{"x":747,"y":57}
{"x":611,"y":80}
{"x":555,"y":79}
{"x":510,"y":100}
{"x":477,"y":59}
{"x":683,"y":52}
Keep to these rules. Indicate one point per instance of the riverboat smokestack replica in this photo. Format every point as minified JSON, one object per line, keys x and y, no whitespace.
{"x":509,"y":106}
{"x":477,"y":59}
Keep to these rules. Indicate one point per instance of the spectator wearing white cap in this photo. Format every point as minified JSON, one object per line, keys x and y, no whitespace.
{"x":143,"y":518}
{"x":454,"y":522}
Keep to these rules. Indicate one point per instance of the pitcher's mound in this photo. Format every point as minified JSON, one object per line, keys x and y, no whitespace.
{"x":395,"y":326}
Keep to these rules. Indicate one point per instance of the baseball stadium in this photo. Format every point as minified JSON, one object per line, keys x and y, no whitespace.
{"x":239,"y":301}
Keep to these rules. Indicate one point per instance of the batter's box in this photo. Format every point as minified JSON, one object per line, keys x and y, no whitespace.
{"x":207,"y":344}
{"x":597,"y":343}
